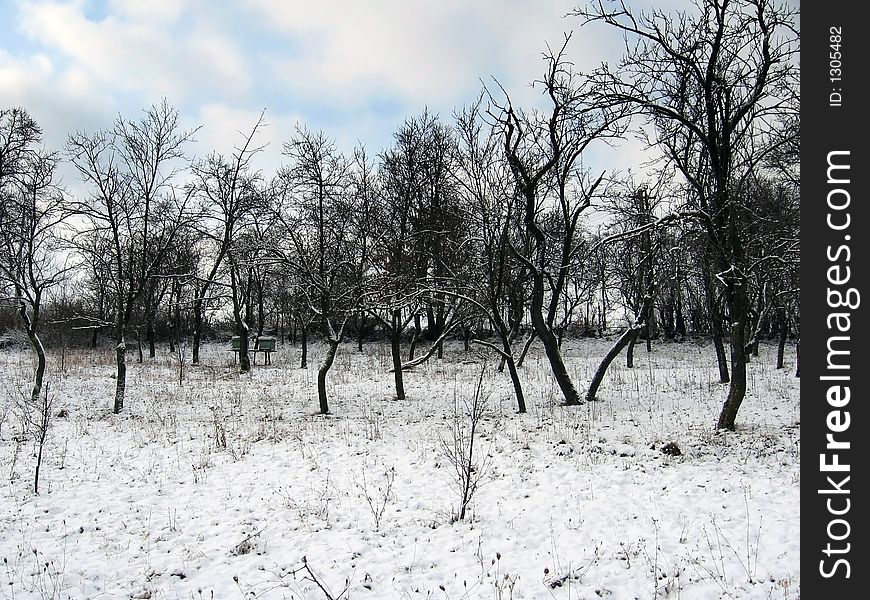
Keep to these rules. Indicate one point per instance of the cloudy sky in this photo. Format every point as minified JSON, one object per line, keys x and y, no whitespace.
{"x":353,"y":68}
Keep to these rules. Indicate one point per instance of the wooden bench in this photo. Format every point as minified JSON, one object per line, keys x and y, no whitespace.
{"x":265,"y":344}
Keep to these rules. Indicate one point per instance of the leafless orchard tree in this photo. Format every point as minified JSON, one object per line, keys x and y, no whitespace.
{"x":30,"y":216}
{"x":544,"y":152}
{"x":496,"y":281}
{"x":365,"y":191}
{"x":182,"y":265}
{"x":398,"y":265}
{"x":134,"y":208}
{"x":320,"y":247}
{"x":714,"y":84}
{"x":223,"y":188}
{"x":244,"y":259}
{"x":635,"y":245}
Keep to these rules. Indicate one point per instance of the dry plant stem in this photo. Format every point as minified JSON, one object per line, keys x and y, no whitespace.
{"x":460,"y":450}
{"x":43,"y":424}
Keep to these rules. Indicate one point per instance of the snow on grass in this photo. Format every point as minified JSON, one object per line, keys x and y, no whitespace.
{"x":233,"y":487}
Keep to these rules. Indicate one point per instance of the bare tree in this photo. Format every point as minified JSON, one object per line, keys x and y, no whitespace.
{"x":543,"y":151}
{"x":636,"y":253}
{"x":462,"y":449}
{"x":223,"y":188}
{"x":30,"y":214}
{"x":399,"y":261}
{"x":37,"y":420}
{"x":713,"y":84}
{"x":243,"y":256}
{"x":366,"y":190}
{"x":133,"y":208}
{"x":496,"y":281}
{"x":315,"y":212}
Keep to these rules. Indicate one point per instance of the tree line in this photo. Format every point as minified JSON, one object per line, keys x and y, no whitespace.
{"x":473,"y":226}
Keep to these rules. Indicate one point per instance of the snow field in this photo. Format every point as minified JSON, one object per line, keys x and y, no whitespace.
{"x":233,"y":487}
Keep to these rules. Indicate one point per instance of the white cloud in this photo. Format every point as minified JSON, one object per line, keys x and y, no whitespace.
{"x":161,"y":11}
{"x":225,"y":127}
{"x":56,"y":99}
{"x":128,"y":53}
{"x":16,"y":75}
{"x":355,"y":68}
{"x":226,"y":69}
{"x":418,"y":52}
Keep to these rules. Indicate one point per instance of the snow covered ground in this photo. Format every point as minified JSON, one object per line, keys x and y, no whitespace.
{"x":233,"y":487}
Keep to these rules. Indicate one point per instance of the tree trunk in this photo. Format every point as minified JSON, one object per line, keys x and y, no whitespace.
{"x":430,"y":323}
{"x":140,"y":357}
{"x":261,"y":311}
{"x":737,"y":389}
{"x":197,"y":330}
{"x":739,"y":309}
{"x":518,"y":386}
{"x":149,"y":333}
{"x":415,"y":337}
{"x":39,"y":374}
{"x":614,"y":351}
{"x":439,"y":329}
{"x":121,"y":375}
{"x":513,"y":330}
{"x":507,"y":336}
{"x":526,"y":347}
{"x":719,"y":344}
{"x":361,"y":327}
{"x":783,"y":337}
{"x":396,"y":349}
{"x":44,"y":422}
{"x":303,"y":339}
{"x":31,"y":325}
{"x":715,"y":321}
{"x":629,"y":354}
{"x":551,"y":344}
{"x":244,"y":349}
{"x":321,"y":375}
